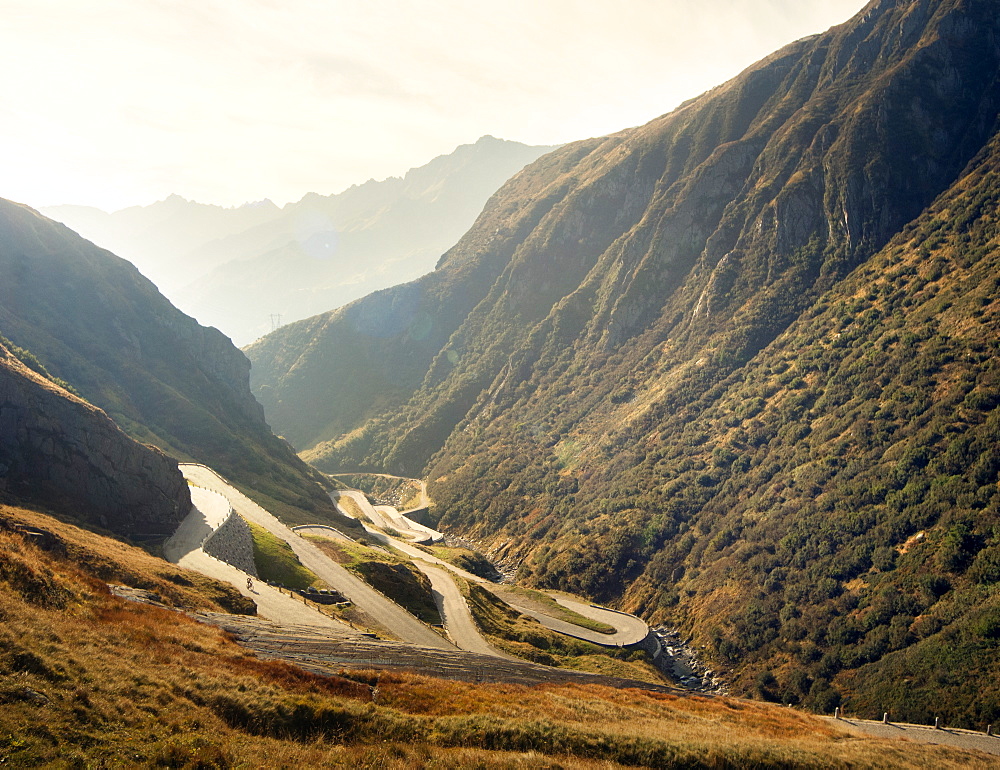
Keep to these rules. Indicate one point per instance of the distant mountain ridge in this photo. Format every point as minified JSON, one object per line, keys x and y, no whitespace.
{"x":159,"y":238}
{"x":635,"y":373}
{"x":243,"y":269}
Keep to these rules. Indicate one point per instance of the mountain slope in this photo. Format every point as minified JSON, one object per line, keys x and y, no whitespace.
{"x":712,"y":227}
{"x":326,"y":251}
{"x":639,"y":391}
{"x":369,"y":357}
{"x":96,"y":323}
{"x":829,"y":512}
{"x":58,"y":450}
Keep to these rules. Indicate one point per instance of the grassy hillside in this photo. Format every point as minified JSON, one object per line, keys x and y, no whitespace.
{"x":826,"y":513}
{"x":276,"y":562}
{"x":89,"y":679}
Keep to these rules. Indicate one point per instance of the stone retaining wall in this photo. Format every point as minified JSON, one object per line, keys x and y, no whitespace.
{"x":650,"y":644}
{"x":233,"y":543}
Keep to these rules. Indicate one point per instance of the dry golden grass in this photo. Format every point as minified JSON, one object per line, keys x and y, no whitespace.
{"x":87,"y":679}
{"x":112,"y":561}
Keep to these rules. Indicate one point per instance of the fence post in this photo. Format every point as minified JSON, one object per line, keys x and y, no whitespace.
{"x":885,"y":718}
{"x":836,"y":712}
{"x":937,"y":723}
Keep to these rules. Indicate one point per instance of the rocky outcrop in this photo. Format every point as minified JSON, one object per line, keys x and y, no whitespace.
{"x":59,"y":451}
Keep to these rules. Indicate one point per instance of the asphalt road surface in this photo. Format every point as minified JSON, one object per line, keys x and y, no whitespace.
{"x":629,"y":629}
{"x":964,"y":739}
{"x":184,"y":549}
{"x":455,"y":612}
{"x":384,"y":611}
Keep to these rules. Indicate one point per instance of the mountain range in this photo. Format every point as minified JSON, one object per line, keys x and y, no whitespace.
{"x":246,"y":269}
{"x":734,"y":370}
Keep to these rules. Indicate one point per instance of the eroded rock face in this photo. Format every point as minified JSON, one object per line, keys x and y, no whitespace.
{"x":60,"y":451}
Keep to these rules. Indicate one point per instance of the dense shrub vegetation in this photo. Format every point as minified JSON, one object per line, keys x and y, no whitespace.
{"x":826,"y":517}
{"x":735,"y":369}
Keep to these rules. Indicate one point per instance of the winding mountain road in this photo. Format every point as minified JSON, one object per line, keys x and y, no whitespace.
{"x":628,"y":628}
{"x":184,"y":549}
{"x":455,"y":612}
{"x":386,"y":517}
{"x":423,"y":501}
{"x":383,"y":610}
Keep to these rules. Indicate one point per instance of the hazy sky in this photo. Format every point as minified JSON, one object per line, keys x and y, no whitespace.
{"x":120,"y":102}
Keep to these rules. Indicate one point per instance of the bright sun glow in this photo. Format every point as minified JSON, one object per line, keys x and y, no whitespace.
{"x":120,"y":102}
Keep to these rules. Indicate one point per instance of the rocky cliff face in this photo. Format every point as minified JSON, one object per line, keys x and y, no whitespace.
{"x":60,"y":451}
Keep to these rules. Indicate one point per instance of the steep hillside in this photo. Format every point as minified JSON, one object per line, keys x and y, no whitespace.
{"x":829,"y":514}
{"x":679,"y":367}
{"x":58,"y":450}
{"x":709,"y":229}
{"x":96,"y":323}
{"x":326,"y":251}
{"x":325,"y":375}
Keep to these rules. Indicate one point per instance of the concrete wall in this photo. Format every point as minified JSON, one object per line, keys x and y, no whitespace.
{"x":233,"y":543}
{"x":650,"y":644}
